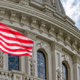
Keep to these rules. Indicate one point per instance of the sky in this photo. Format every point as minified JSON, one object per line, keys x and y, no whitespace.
{"x":72,"y":9}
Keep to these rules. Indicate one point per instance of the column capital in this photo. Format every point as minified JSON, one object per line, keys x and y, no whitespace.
{"x":76,"y":59}
{"x":30,"y":35}
{"x":56,"y":46}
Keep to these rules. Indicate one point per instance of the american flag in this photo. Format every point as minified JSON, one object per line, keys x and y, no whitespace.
{"x":15,"y":43}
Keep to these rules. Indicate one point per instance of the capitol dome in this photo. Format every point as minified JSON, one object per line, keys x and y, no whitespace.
{"x":56,"y":49}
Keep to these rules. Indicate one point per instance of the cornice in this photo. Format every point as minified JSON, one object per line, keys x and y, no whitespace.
{"x":40,"y":15}
{"x":23,"y":13}
{"x":31,"y":34}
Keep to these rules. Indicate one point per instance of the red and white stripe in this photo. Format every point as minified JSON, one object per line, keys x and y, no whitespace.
{"x":15,"y":43}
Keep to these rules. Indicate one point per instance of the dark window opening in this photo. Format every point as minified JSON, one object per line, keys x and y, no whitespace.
{"x":13,"y":62}
{"x":41,"y":64}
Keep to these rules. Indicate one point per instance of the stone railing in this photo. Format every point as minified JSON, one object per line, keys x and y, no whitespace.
{"x":16,"y":75}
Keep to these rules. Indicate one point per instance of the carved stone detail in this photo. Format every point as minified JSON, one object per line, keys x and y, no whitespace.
{"x":66,"y":58}
{"x":56,"y":46}
{"x":51,"y":30}
{"x":58,"y":34}
{"x":42,"y":26}
{"x":78,"y":47}
{"x":76,"y":59}
{"x":2,"y":12}
{"x":12,"y":17}
{"x":59,"y":74}
{"x":18,"y":77}
{"x":79,"y":51}
{"x":5,"y":14}
{"x":1,"y":19}
{"x":6,"y":76}
{"x":66,"y":39}
{"x":42,"y":45}
{"x":30,"y":35}
{"x":1,"y":59}
{"x":33,"y":23}
{"x":74,"y":44}
{"x":2,"y":75}
{"x":32,"y":66}
{"x":23,"y":19}
{"x":10,"y":76}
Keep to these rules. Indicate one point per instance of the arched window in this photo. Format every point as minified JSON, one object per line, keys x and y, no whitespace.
{"x":64,"y":72}
{"x":41,"y":64}
{"x":13,"y":62}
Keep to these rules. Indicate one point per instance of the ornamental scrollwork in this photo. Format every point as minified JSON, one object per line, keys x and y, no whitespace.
{"x":59,"y":74}
{"x":32,"y":66}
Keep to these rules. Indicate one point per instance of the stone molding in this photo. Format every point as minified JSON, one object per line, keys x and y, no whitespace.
{"x":56,"y":46}
{"x":65,"y":25}
{"x":37,"y":14}
{"x":43,"y":46}
{"x":37,"y":4}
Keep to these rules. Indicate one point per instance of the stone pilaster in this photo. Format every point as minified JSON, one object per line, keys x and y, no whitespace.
{"x":1,"y":59}
{"x":31,"y":61}
{"x":76,"y":65}
{"x":56,"y":49}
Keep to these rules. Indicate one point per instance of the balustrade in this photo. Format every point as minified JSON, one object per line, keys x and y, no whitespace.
{"x":16,"y":75}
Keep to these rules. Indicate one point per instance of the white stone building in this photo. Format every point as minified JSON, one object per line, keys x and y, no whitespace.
{"x":56,"y":51}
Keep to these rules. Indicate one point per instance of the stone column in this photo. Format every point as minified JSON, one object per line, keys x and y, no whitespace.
{"x":76,"y":67}
{"x":5,"y":62}
{"x":30,"y":61}
{"x":56,"y":60}
{"x":22,"y":63}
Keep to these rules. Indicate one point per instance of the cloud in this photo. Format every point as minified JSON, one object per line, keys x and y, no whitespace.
{"x":72,"y":9}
